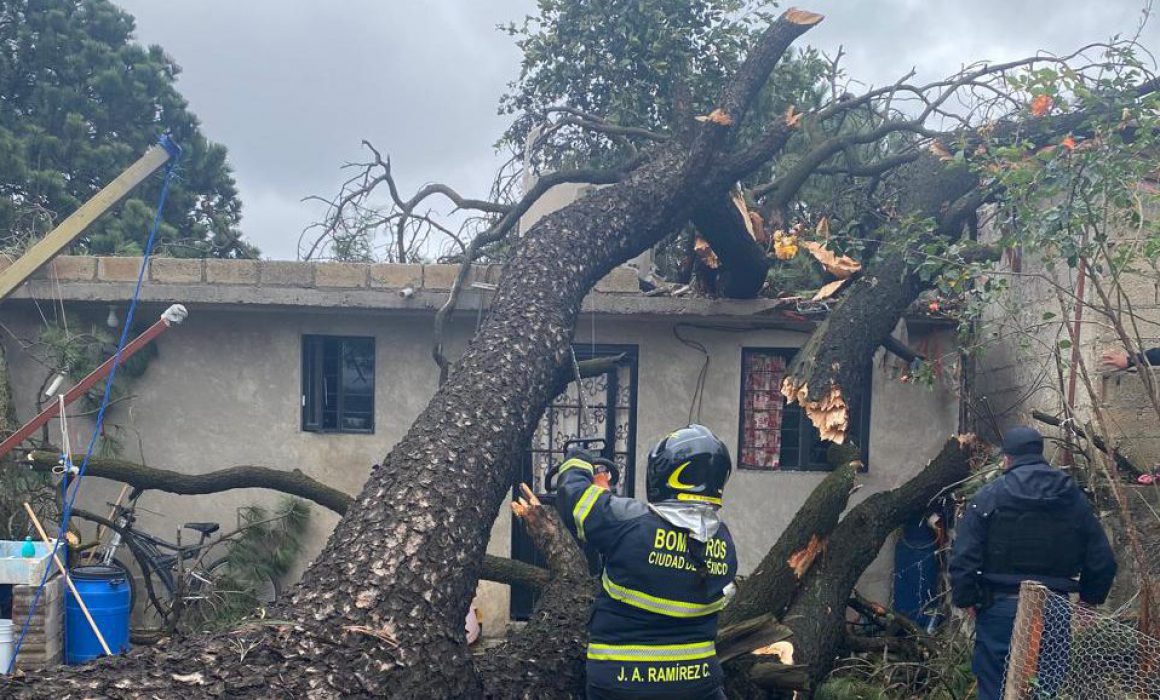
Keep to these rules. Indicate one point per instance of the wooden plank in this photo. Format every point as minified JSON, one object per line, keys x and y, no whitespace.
{"x":60,"y":237}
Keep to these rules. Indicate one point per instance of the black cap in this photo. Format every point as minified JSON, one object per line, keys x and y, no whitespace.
{"x":1022,"y":440}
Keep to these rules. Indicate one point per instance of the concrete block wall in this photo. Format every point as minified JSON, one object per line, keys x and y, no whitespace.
{"x":1132,"y":416}
{"x":1017,"y":370}
{"x":44,"y":644}
{"x":291,"y":273}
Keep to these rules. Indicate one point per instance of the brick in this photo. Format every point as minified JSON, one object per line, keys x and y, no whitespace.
{"x":622,"y":280}
{"x":286,"y":273}
{"x":488,"y":274}
{"x":44,"y":644}
{"x":118,"y":269}
{"x":439,"y":276}
{"x":176,"y":270}
{"x":75,"y":268}
{"x":396,"y":276}
{"x":340,"y":274}
{"x":231,"y":271}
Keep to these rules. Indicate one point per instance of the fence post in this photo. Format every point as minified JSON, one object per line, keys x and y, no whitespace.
{"x":1023,"y":657}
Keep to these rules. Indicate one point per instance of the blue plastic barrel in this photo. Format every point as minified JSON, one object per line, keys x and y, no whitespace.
{"x":107,"y":595}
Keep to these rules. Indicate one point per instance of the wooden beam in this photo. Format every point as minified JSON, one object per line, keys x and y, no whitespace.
{"x":71,"y":228}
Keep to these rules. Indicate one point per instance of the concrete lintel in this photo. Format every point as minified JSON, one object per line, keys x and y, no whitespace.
{"x":422,"y":301}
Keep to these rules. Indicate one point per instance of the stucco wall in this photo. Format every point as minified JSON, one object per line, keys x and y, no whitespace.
{"x":225,"y":390}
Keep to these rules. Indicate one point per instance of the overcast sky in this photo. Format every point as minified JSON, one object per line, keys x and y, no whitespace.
{"x":291,"y":88}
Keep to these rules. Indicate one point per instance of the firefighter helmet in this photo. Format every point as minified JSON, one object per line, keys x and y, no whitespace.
{"x":689,"y":464}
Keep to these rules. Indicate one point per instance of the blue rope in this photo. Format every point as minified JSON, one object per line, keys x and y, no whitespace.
{"x":174,"y":155}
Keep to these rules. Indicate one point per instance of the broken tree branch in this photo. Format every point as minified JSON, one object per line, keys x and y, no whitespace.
{"x":293,"y":482}
{"x":1122,"y":462}
{"x":556,"y":634}
{"x":744,"y":265}
{"x":773,"y":583}
{"x":817,"y":614}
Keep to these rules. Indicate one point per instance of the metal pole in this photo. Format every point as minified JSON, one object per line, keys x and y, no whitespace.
{"x":173,"y":315}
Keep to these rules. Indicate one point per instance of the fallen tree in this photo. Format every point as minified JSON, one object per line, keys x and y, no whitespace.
{"x":428,"y":508}
{"x":379,"y":613}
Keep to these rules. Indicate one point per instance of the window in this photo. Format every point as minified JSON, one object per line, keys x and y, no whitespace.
{"x":774,"y":436}
{"x":338,"y":384}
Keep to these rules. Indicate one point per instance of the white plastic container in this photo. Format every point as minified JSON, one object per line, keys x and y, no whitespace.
{"x":17,"y":570}
{"x":7,"y":645}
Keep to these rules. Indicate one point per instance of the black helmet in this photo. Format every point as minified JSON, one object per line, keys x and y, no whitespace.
{"x":690,"y":464}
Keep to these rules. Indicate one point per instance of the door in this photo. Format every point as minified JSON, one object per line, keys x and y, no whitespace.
{"x":610,"y":412}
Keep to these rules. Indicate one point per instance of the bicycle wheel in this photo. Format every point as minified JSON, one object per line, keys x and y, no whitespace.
{"x":217,"y":597}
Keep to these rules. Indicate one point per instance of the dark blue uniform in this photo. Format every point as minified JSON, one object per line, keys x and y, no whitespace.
{"x":654,"y":622}
{"x":1031,"y":524}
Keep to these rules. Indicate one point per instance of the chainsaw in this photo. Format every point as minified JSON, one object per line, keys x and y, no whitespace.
{"x":607,"y":472}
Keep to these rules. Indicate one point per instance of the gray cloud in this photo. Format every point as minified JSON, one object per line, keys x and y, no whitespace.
{"x":291,"y":88}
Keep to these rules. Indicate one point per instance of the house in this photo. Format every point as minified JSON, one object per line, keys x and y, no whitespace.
{"x":322,"y":367}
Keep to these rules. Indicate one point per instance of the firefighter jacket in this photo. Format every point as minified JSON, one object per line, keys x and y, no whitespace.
{"x":654,"y":622}
{"x":1031,"y":524}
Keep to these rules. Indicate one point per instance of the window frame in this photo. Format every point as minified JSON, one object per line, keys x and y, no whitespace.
{"x":806,"y":433}
{"x":312,"y":384}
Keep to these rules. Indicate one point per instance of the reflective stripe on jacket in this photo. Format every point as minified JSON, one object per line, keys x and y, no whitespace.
{"x":654,"y":622}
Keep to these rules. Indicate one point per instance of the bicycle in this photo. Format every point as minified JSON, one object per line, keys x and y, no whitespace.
{"x":183,"y":591}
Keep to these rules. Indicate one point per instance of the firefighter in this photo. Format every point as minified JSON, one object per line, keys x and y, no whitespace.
{"x":1031,"y":524}
{"x":668,"y":570}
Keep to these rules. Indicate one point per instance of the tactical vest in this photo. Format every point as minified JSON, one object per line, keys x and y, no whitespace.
{"x":1033,"y":543}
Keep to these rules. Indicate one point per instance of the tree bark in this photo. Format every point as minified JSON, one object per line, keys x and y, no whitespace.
{"x":744,"y":265}
{"x":772,"y":585}
{"x":546,"y":658}
{"x":817,"y":614}
{"x":380,"y":611}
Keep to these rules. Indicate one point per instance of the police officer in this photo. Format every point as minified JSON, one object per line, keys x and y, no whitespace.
{"x":668,"y":569}
{"x":1031,"y":524}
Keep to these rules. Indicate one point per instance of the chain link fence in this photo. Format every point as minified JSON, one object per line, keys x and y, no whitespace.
{"x":1066,"y":651}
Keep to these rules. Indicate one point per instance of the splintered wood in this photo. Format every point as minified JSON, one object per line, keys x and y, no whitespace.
{"x":830,"y":415}
{"x":801,"y":560}
{"x":717,"y":116}
{"x":782,"y":650}
{"x":705,"y":252}
{"x":524,"y":505}
{"x":802,"y":17}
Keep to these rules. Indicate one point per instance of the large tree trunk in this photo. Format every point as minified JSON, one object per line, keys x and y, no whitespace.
{"x":817,"y":614}
{"x":777,"y":578}
{"x":380,"y":611}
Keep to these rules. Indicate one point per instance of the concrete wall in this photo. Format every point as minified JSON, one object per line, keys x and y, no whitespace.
{"x":1017,"y":372}
{"x":224,"y":390}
